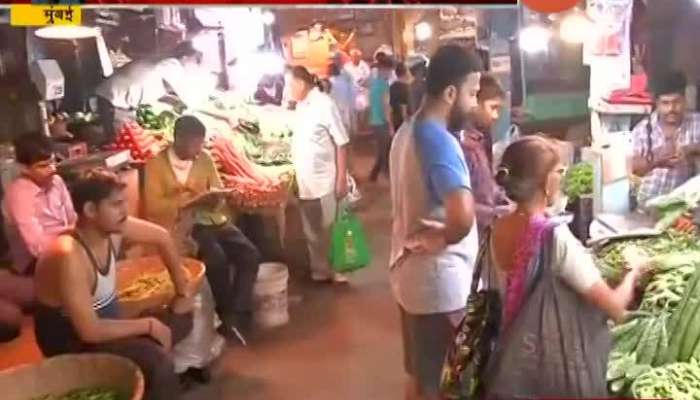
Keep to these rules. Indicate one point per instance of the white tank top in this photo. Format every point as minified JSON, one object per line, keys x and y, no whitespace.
{"x":104,"y":291}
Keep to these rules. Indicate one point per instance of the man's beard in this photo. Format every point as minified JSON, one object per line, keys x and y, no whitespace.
{"x":673,"y":118}
{"x":457,"y":119}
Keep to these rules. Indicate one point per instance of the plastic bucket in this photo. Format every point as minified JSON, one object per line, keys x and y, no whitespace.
{"x":270,"y":296}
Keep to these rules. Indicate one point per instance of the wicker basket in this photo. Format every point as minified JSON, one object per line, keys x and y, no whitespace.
{"x":59,"y":375}
{"x":131,"y":269}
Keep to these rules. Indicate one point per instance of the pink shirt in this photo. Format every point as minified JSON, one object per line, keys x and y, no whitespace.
{"x":34,"y":216}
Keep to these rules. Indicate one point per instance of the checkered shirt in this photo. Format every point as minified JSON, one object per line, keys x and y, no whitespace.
{"x":660,"y":181}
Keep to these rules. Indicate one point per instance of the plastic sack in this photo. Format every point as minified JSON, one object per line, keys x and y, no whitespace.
{"x":349,"y":250}
{"x":203,"y":344}
{"x":557,"y":345}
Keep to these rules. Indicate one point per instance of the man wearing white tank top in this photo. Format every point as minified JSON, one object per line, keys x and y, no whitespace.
{"x":77,"y":310}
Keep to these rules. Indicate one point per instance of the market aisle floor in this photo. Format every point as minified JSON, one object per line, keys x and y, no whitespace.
{"x":341,"y":343}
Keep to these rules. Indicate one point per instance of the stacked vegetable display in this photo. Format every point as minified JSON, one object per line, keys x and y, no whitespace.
{"x":670,"y":207}
{"x":663,"y":336}
{"x":611,"y":262}
{"x":266,"y":147}
{"x":251,"y":188}
{"x":579,"y":181}
{"x":677,"y":381}
{"x":142,"y":145}
{"x":148,"y":119}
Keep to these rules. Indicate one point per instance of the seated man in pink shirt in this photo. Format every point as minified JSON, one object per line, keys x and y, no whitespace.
{"x":37,"y":208}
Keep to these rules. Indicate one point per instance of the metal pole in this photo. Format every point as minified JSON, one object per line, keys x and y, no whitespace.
{"x":521,"y":22}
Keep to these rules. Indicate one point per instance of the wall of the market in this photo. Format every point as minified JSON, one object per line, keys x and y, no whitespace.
{"x":18,"y":98}
{"x":673,"y":32}
{"x":373,"y":29}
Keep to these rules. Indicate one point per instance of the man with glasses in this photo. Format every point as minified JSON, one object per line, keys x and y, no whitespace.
{"x":37,"y":204}
{"x":37,"y":208}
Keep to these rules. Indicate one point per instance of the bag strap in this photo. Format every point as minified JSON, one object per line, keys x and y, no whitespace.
{"x":341,"y":210}
{"x":484,"y":246}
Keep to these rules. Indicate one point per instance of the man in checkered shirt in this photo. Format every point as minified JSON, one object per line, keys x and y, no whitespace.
{"x":667,"y":143}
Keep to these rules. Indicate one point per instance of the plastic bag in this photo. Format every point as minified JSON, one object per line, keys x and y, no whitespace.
{"x":557,"y":346}
{"x":354,"y":195}
{"x":203,"y":344}
{"x":349,"y":250}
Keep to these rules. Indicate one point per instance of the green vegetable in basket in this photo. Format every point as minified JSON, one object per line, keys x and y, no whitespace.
{"x":86,"y":394}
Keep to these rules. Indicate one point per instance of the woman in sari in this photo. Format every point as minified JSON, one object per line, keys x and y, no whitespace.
{"x":553,"y":339}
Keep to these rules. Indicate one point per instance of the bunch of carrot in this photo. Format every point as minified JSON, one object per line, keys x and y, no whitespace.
{"x":251,"y":188}
{"x":132,"y":137}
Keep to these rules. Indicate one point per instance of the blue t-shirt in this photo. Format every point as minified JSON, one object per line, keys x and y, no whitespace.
{"x":442,"y":160}
{"x":378,"y":90}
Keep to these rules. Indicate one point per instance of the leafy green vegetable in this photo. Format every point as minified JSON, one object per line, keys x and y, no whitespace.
{"x":678,"y":381}
{"x":579,"y":181}
{"x":611,"y":263}
{"x":86,"y":394}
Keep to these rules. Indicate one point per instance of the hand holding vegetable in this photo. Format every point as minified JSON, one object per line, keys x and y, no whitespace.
{"x":685,"y":224}
{"x":669,"y":162}
{"x":668,"y":157}
{"x":637,"y":261}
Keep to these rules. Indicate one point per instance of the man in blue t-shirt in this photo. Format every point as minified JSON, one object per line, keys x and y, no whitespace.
{"x":380,"y":115}
{"x":434,"y":238}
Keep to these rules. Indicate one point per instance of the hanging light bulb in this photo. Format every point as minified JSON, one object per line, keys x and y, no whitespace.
{"x":268,"y":18}
{"x":534,"y":39}
{"x":575,"y":28}
{"x":423,"y":31}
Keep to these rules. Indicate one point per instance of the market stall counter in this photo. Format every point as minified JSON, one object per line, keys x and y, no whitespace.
{"x":655,"y":351}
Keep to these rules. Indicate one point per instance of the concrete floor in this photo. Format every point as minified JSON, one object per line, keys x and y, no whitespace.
{"x":342,"y":343}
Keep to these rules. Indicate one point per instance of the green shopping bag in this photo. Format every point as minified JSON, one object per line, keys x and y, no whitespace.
{"x":349,"y":250}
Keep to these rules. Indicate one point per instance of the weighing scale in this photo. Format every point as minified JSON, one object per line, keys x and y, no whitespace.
{"x":611,"y":192}
{"x":50,"y":83}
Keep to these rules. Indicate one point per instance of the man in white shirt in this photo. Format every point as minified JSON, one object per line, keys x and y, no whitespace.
{"x":358,"y":68}
{"x":147,"y":81}
{"x":319,"y":152}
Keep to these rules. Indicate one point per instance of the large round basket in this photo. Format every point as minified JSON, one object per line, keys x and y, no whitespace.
{"x":62,"y":374}
{"x":131,"y":269}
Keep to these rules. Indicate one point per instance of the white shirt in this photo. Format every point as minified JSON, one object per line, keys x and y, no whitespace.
{"x":145,"y":82}
{"x":360,"y":73}
{"x":572,"y":262}
{"x":318,"y":129}
{"x":181,"y":168}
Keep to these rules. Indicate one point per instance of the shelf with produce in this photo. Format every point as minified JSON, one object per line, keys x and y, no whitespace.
{"x":142,"y":144}
{"x":253,"y":186}
{"x":662,"y":334}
